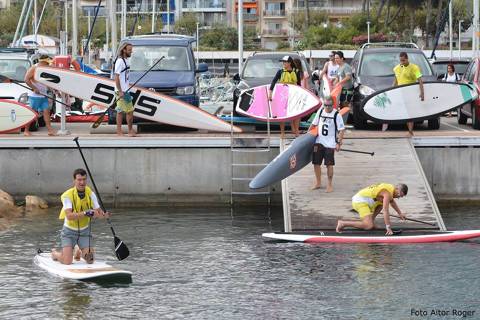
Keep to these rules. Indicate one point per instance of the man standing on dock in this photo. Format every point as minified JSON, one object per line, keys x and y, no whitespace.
{"x":372,"y":200}
{"x":122,"y":83}
{"x":407,"y":73}
{"x":329,"y":139}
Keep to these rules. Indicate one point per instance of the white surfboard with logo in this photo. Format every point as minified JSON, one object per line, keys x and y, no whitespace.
{"x":402,"y":103}
{"x":148,"y":104}
{"x":15,"y":115}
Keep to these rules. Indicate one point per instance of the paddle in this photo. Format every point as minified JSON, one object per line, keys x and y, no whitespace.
{"x":99,"y":120}
{"x":356,"y":151}
{"x":121,"y":250}
{"x":415,"y":220}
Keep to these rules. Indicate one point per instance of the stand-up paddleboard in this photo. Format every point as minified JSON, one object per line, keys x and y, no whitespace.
{"x":402,"y":103}
{"x":288,"y":102}
{"x":80,"y":270}
{"x":148,"y":104}
{"x":294,"y":158}
{"x":377,"y":236}
{"x":14,"y":115}
{"x":252,"y":121}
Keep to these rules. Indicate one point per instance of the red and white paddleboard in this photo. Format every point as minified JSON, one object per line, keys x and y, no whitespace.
{"x":377,"y":236}
{"x":148,"y":104}
{"x":15,"y":115}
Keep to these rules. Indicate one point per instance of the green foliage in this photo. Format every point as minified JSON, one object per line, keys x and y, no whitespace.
{"x":220,"y":38}
{"x":298,"y":20}
{"x":186,"y":25}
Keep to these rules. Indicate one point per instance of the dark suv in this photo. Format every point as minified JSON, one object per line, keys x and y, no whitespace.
{"x":372,"y":68}
{"x":260,"y":68}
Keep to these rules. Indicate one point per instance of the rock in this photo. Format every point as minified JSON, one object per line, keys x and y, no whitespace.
{"x":34,"y":203}
{"x":6,"y":199}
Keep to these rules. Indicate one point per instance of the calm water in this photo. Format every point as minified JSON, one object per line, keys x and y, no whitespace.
{"x":201,"y":264}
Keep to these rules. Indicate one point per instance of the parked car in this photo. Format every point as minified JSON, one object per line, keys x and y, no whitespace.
{"x":440,"y":67}
{"x":260,"y":68}
{"x":175,"y":75}
{"x":471,"y":110}
{"x":372,"y":70}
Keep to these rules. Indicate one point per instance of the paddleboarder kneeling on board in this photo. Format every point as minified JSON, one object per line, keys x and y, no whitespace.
{"x":329,"y":123}
{"x":80,"y":205}
{"x":372,"y":200}
{"x":122,"y":83}
{"x":37,"y":97}
{"x":289,"y":75}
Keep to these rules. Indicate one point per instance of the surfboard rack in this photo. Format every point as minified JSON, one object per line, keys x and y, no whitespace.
{"x":242,"y":150}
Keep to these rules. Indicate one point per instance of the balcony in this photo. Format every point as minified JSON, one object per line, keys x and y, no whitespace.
{"x":275,"y":32}
{"x":274,"y":13}
{"x":248,"y":17}
{"x":202,"y":4}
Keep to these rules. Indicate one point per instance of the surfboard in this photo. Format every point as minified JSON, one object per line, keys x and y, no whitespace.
{"x":80,"y":270}
{"x":292,"y":159}
{"x":376,"y":236}
{"x":252,"y":121}
{"x":15,"y":115}
{"x":402,"y":103}
{"x":288,"y":102}
{"x":148,"y":104}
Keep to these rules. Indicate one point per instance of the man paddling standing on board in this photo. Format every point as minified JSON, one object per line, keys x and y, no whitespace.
{"x":37,"y":97}
{"x":407,"y":73}
{"x":372,"y":200}
{"x":329,"y":123}
{"x":80,"y":205}
{"x":122,"y":83}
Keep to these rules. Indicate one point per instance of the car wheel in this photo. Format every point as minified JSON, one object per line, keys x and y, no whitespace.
{"x":461,"y":118}
{"x":358,"y":121}
{"x":475,"y":118}
{"x":434,"y":124}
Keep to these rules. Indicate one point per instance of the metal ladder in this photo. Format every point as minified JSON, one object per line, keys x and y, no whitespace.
{"x":237,"y":147}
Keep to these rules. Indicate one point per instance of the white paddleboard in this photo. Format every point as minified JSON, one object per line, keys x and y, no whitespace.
{"x":148,"y":104}
{"x":14,"y":115}
{"x":402,"y":103}
{"x":80,"y":270}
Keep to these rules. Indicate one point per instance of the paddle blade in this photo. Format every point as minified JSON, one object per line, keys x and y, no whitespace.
{"x":121,"y":249}
{"x":99,"y":120}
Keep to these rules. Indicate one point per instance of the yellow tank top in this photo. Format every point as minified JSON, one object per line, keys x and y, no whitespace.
{"x":373,"y":190}
{"x":289,"y":77}
{"x":79,"y":205}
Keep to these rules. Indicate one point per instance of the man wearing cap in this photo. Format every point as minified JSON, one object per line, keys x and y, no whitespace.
{"x":37,"y":98}
{"x":289,"y":75}
{"x":329,"y":123}
{"x":122,"y":84}
{"x":372,"y":200}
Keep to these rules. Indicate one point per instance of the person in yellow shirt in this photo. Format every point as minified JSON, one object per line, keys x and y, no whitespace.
{"x":407,"y":73}
{"x":372,"y":200}
{"x":80,"y":205}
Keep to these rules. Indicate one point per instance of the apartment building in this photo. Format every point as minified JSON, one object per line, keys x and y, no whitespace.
{"x":4,"y":4}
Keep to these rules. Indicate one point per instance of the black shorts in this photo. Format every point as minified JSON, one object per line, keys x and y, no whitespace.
{"x":320,"y":153}
{"x":346,"y":96}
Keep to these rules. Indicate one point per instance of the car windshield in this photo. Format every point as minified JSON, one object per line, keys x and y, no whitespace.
{"x":175,"y":58}
{"x":441,"y":68}
{"x":14,"y":69}
{"x":381,"y":64}
{"x":261,"y":68}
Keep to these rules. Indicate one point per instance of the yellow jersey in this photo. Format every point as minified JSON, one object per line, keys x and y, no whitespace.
{"x":407,"y":74}
{"x":372,"y":191}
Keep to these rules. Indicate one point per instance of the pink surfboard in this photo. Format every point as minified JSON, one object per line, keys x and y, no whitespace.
{"x":288,"y":102}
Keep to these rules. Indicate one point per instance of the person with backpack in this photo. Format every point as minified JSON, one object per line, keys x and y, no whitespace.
{"x":121,"y":72}
{"x":329,"y":139}
{"x":451,"y":76}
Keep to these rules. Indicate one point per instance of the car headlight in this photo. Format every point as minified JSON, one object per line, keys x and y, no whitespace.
{"x":185,"y":90}
{"x":365,"y":90}
{"x":23,"y":98}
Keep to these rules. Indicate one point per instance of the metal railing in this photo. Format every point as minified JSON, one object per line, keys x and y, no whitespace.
{"x":274,"y":13}
{"x":275,"y":32}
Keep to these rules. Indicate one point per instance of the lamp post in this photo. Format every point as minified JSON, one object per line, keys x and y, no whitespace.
{"x":368,"y":31}
{"x":460,"y":38}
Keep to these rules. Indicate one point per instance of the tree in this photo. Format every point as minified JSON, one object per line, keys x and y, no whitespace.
{"x":298,"y":20}
{"x":187,"y":24}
